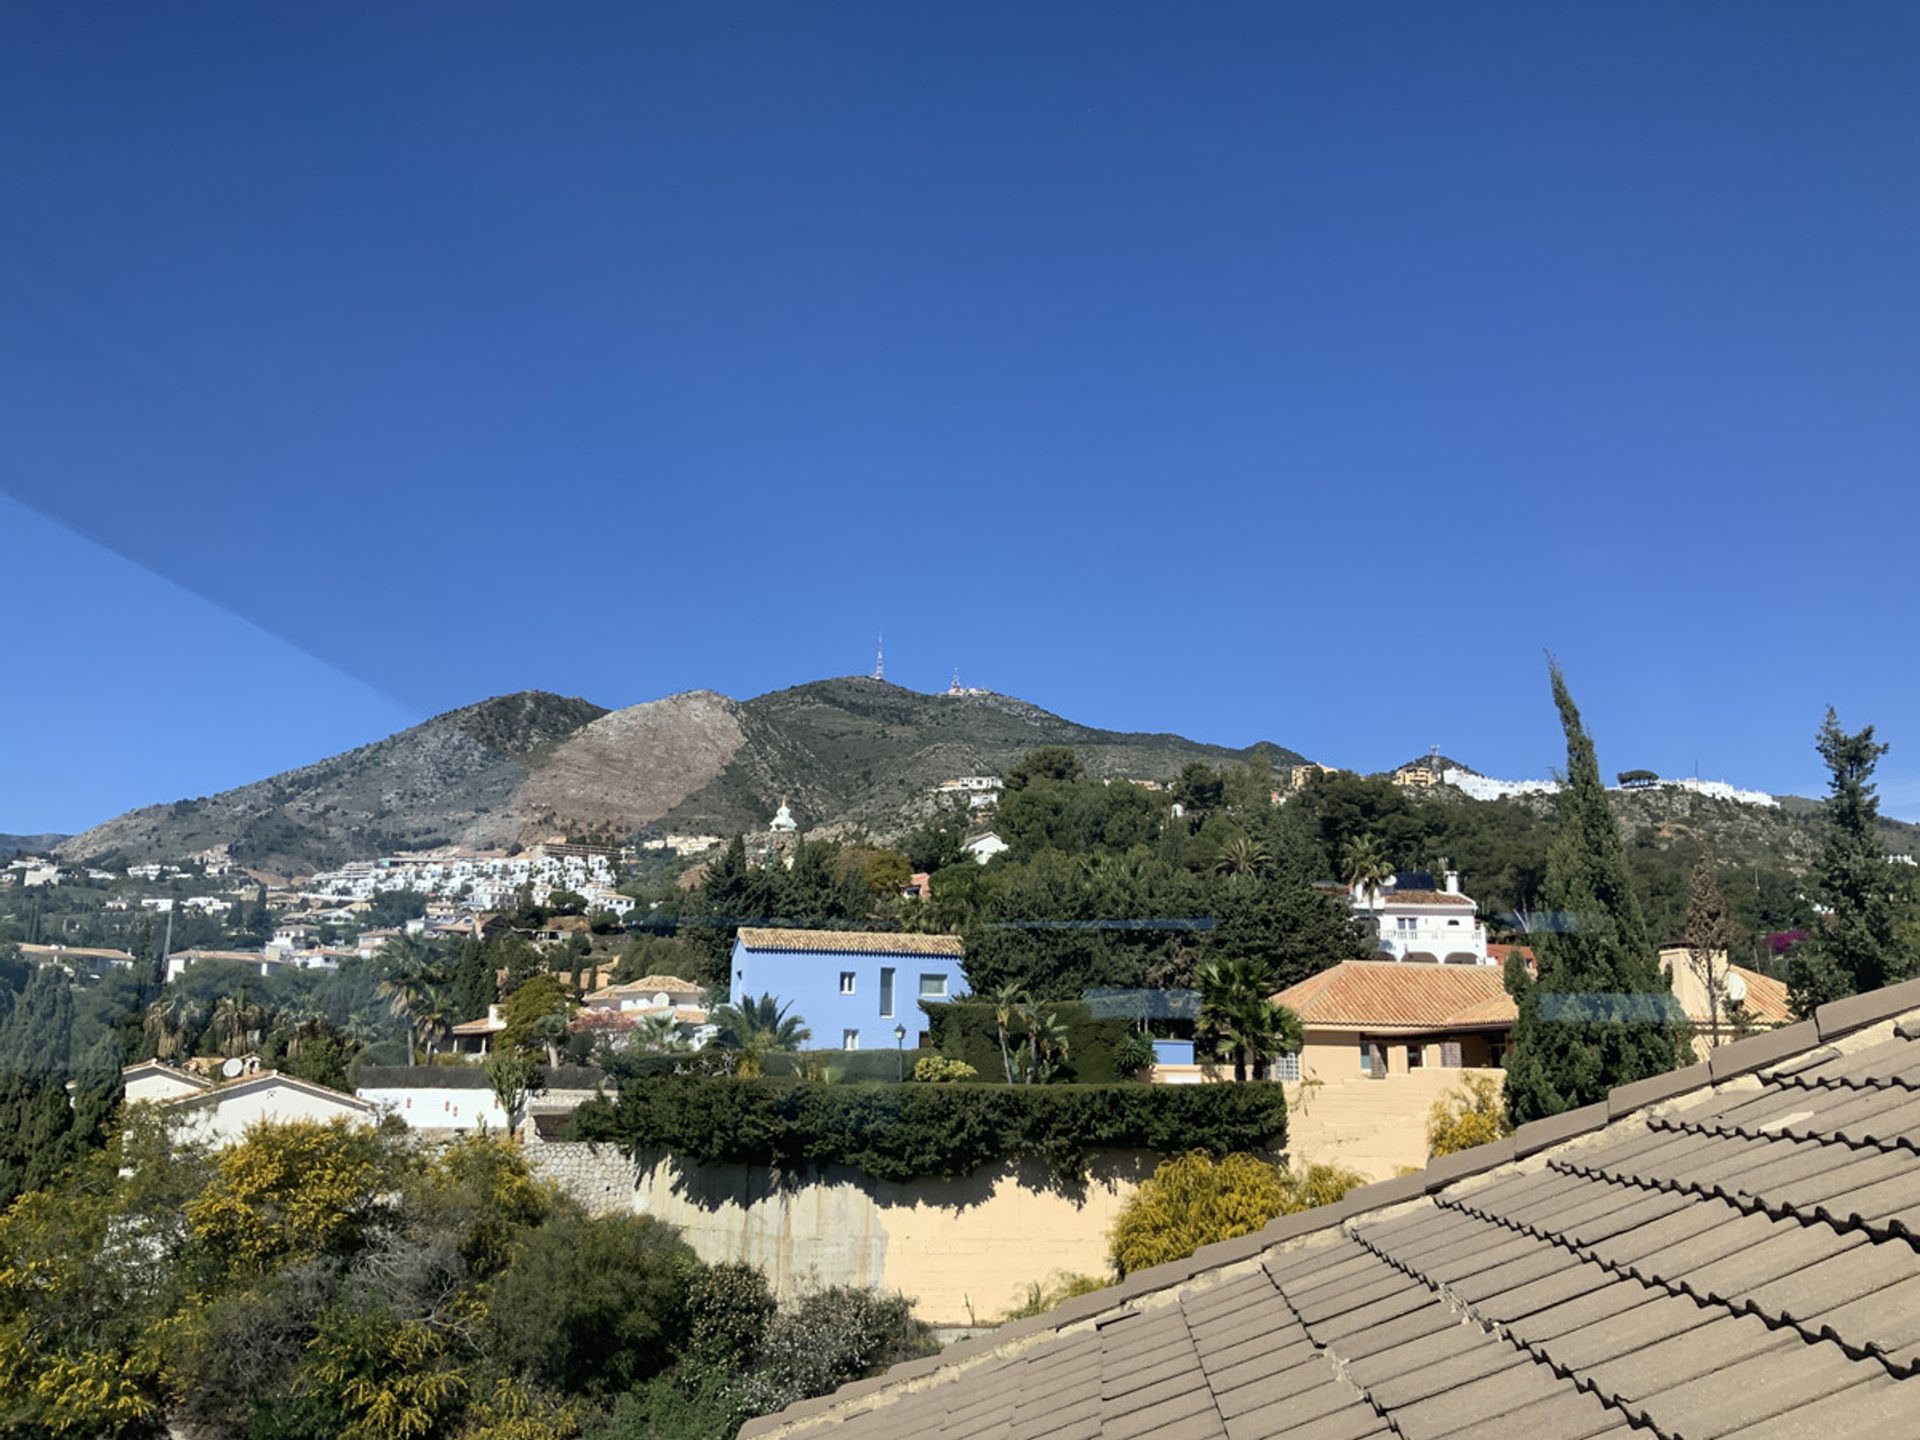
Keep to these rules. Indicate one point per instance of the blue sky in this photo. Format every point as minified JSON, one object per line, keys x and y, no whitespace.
{"x":1258,"y":372}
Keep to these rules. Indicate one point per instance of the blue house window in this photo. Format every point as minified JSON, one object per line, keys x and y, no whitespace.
{"x":886,"y":992}
{"x":846,"y":982}
{"x":849,"y":1039}
{"x":933,"y":987}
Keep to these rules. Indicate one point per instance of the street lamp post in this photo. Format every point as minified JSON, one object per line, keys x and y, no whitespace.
{"x":900,"y":1052}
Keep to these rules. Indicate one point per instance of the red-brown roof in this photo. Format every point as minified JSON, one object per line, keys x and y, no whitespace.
{"x":1423,"y":897}
{"x":851,"y":942}
{"x":1394,"y":995}
{"x":1766,"y":999}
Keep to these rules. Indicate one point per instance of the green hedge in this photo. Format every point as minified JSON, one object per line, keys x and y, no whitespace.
{"x":885,"y":1065}
{"x":907,"y":1132}
{"x":969,"y":1030}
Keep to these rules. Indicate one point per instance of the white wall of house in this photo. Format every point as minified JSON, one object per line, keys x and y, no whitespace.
{"x":149,"y":1083}
{"x":440,"y":1108}
{"x":224,"y":1115}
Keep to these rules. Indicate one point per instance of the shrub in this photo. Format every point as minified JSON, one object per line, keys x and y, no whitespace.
{"x":906,"y":1132}
{"x":591,"y":1306}
{"x":1059,"y":1288}
{"x":1133,"y":1056}
{"x":1472,"y":1113}
{"x":825,"y":1339}
{"x":938,"y":1070}
{"x":1194,"y":1200}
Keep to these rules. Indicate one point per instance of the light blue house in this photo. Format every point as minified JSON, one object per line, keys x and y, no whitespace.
{"x":851,"y":988}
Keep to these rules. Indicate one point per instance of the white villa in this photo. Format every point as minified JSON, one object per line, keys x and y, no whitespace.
{"x":984,"y":847}
{"x":222,"y":1114}
{"x":1417,"y":924}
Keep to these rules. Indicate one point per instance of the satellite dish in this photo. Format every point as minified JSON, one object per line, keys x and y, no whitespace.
{"x":232,"y":1068}
{"x":1736,"y":988}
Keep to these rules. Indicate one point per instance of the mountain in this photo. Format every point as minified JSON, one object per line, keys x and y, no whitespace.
{"x":28,"y":844}
{"x":451,"y":778}
{"x":848,"y":755}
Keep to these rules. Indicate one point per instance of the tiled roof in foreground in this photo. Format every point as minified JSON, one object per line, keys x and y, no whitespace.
{"x":1729,"y":1251}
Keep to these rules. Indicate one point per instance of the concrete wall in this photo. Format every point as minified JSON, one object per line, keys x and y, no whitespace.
{"x":1378,"y":1127}
{"x":964,"y":1250}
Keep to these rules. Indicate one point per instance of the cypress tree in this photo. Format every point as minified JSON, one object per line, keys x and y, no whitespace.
{"x":1862,"y":941}
{"x":35,"y":1116}
{"x":473,"y":982}
{"x":1601,"y":1012}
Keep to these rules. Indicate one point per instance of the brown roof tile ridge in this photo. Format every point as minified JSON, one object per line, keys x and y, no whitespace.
{"x":1337,"y":1362}
{"x":1564,"y":1134}
{"x":1803,"y":1071}
{"x":1637,"y":1271}
{"x":1469,"y":1314}
{"x":1082,"y":1315}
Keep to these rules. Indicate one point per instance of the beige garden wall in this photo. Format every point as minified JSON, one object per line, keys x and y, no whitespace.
{"x":963,"y":1249}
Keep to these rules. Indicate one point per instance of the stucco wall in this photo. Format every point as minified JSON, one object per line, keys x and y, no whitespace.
{"x":964,"y":1250}
{"x":809,"y":983}
{"x":225,"y":1120}
{"x":1378,"y":1127}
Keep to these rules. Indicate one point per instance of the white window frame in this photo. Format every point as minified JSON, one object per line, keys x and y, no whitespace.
{"x":848,"y":980}
{"x":849,"y":1039}
{"x":939,"y":982}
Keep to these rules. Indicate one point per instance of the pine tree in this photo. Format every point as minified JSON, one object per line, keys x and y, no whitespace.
{"x":1601,"y":1012}
{"x":1861,"y":943}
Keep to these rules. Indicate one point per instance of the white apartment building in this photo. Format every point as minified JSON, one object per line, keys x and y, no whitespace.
{"x":480,"y":882}
{"x":1485,"y":787}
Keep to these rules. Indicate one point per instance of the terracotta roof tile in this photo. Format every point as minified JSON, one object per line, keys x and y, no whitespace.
{"x":1387,"y":995}
{"x":1389,"y":898}
{"x":851,"y":942}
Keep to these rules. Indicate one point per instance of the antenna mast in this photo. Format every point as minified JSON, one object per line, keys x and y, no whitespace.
{"x":880,"y":658}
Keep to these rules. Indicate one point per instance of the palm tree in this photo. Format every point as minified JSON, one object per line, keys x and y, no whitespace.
{"x":414,"y":973}
{"x":551,"y":1030}
{"x":756,"y":1027}
{"x":235,"y":1024}
{"x":1047,"y":1045}
{"x":1241,"y":855}
{"x":1008,"y":1001}
{"x":167,"y":1023}
{"x":1364,"y":866}
{"x":658,"y":1035}
{"x":1237,"y":1009}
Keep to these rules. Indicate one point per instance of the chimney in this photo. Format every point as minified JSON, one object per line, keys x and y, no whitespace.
{"x":1453,"y":882}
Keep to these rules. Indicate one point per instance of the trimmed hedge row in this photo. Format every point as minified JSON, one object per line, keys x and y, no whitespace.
{"x":910,"y":1132}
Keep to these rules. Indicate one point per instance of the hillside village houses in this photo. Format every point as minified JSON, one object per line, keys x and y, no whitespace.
{"x":480,"y":881}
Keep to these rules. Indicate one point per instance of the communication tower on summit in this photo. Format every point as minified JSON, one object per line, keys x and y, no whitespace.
{"x":880,"y":658}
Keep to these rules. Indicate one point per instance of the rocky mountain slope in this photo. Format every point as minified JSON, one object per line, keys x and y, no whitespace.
{"x":851,"y":756}
{"x":451,"y":778}
{"x":848,"y":755}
